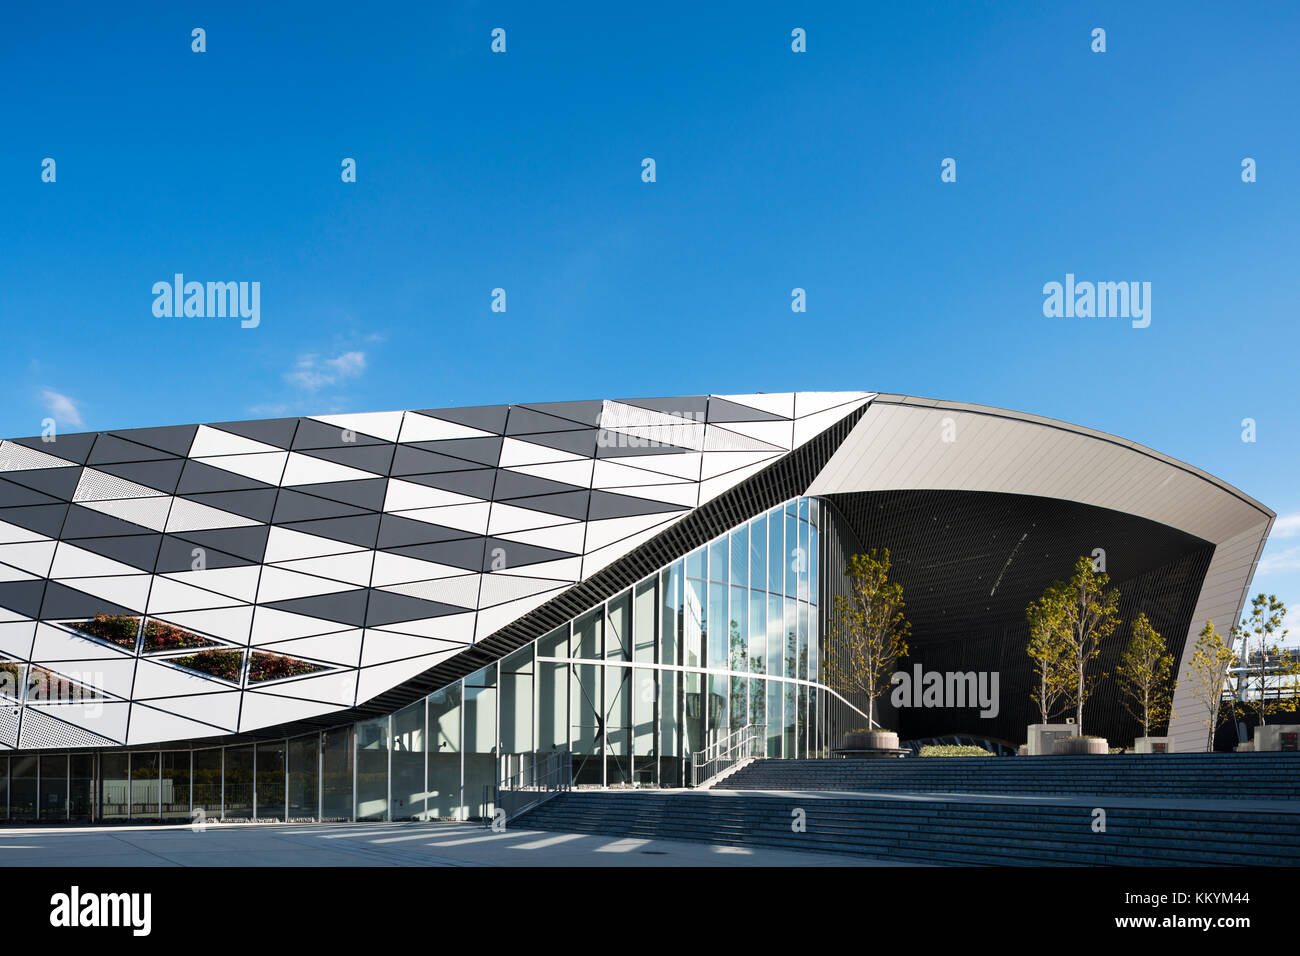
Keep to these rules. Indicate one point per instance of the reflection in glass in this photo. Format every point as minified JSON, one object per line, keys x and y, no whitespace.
{"x":176,"y":785}
{"x":408,"y":763}
{"x":270,"y":780}
{"x":238,"y":784}
{"x":480,"y":742}
{"x":80,"y":786}
{"x":337,"y":775}
{"x":372,"y":769}
{"x":207,"y":782}
{"x":54,"y":787}
{"x":304,"y":777}
{"x":114,"y":786}
{"x":444,"y":754}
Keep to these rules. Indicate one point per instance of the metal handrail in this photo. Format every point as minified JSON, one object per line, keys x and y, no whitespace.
{"x":544,"y":774}
{"x":719,"y":757}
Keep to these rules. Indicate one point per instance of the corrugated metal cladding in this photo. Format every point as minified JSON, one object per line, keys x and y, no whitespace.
{"x":971,"y":562}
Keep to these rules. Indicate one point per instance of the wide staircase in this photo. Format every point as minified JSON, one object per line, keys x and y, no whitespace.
{"x":1193,"y":809}
{"x":1261,"y":776}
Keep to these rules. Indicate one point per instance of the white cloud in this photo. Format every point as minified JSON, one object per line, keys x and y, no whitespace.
{"x":61,"y":408}
{"x":313,"y":373}
{"x":1285,"y":560}
{"x":1286,"y":526}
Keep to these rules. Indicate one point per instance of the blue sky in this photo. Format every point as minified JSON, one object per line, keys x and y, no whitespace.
{"x":775,"y":170}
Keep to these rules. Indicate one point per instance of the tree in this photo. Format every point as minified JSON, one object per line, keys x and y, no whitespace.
{"x":1266,"y":660}
{"x":1208,"y":671}
{"x":1091,"y":615}
{"x":1144,"y":675}
{"x":870,"y":629}
{"x":1049,"y":650}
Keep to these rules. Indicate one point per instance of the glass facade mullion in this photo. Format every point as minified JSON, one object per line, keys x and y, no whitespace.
{"x":723,"y":637}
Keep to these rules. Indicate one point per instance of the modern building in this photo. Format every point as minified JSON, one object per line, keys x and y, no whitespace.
{"x":362,"y":616}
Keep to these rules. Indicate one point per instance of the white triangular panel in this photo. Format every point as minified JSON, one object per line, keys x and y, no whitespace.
{"x":306,"y":470}
{"x":383,"y":425}
{"x":419,"y":427}
{"x":209,"y":442}
{"x":407,"y":495}
{"x":149,"y":513}
{"x":191,"y":516}
{"x":267,"y":467}
{"x":776,"y":403}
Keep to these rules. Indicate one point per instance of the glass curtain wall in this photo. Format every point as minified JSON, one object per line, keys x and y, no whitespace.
{"x":723,"y":639}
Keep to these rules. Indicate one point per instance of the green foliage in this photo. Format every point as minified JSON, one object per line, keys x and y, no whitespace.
{"x":159,"y":636}
{"x":1049,"y":649}
{"x":1207,"y":675}
{"x":869,"y":631}
{"x":263,"y":666}
{"x":953,"y":750}
{"x":119,"y":629}
{"x":1144,"y":670}
{"x":223,"y":664}
{"x":1091,"y":616}
{"x":1273,"y":676}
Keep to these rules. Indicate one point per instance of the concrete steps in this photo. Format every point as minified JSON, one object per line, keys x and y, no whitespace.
{"x":1264,"y":776}
{"x":936,"y":831}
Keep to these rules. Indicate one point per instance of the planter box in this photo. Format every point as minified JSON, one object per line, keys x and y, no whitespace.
{"x":1081,"y":745}
{"x":1041,"y":737}
{"x":871,"y":740}
{"x":1276,"y":737}
{"x":1153,"y":745}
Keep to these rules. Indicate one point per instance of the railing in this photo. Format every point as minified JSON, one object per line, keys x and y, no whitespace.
{"x":718,"y":758}
{"x":530,"y":779}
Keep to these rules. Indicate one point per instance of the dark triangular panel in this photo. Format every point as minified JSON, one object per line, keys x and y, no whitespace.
{"x":62,"y":601}
{"x":292,"y":506}
{"x":397,"y":532}
{"x":501,"y":553}
{"x":569,"y":504}
{"x":314,"y":434}
{"x":483,"y":451}
{"x":415,"y":461}
{"x":247,"y":543}
{"x":111,"y":449}
{"x":23,"y":597}
{"x":88,"y":523}
{"x":607,"y":504}
{"x":583,"y":413}
{"x":269,"y":431}
{"x":256,"y":504}
{"x":198,"y":478}
{"x":465,"y":553}
{"x":173,"y":439}
{"x":15,"y":496}
{"x":365,"y":493}
{"x":137,"y":550}
{"x":477,"y":483}
{"x":515,"y":484}
{"x":388,"y":608}
{"x":639,"y":447}
{"x":159,"y":475}
{"x":43,"y":519}
{"x":74,"y":447}
{"x":580,"y":442}
{"x":487,"y":418}
{"x":61,"y":483}
{"x":525,"y":421}
{"x":721,"y":410}
{"x":177,"y":555}
{"x":372,"y":458}
{"x":690,"y":407}
{"x":342,"y":607}
{"x":360,"y":530}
